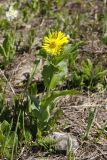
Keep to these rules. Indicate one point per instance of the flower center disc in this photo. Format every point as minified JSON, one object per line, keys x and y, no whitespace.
{"x":52,"y":45}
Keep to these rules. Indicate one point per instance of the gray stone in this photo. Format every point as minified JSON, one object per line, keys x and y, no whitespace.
{"x":62,"y":141}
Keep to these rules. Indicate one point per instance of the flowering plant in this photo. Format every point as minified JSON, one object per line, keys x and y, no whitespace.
{"x":57,"y":56}
{"x":53,"y":44}
{"x":11,"y":14}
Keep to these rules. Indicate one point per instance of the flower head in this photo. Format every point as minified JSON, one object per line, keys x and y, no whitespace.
{"x":11,"y":13}
{"x":54,"y":42}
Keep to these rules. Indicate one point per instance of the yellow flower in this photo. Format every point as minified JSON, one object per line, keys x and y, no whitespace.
{"x":54,"y":42}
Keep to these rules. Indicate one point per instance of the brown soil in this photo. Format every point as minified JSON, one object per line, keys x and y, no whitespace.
{"x":76,"y":108}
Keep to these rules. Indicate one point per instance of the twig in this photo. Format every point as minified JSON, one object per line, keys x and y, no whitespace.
{"x":21,"y":153}
{"x":7,"y":81}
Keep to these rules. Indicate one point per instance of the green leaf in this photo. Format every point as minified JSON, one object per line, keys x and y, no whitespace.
{"x":4,"y":24}
{"x":104,"y":39}
{"x":5,"y":127}
{"x":60,"y":76}
{"x":56,"y":94}
{"x":48,"y":73}
{"x":8,"y":42}
{"x":69,"y":52}
{"x":87,"y":69}
{"x":91,"y":118}
{"x":102,"y":74}
{"x":7,"y":49}
{"x":47,"y":105}
{"x":2,"y":51}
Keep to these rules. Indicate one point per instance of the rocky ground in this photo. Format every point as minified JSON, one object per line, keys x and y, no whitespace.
{"x":75,"y":109}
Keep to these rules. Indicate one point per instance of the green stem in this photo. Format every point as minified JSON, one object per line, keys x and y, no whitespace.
{"x":15,"y":134}
{"x":7,"y":136}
